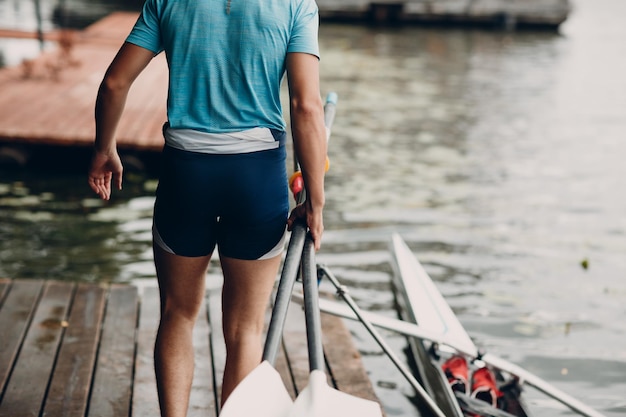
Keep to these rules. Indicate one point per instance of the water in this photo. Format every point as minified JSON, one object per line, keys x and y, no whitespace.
{"x":496,"y":155}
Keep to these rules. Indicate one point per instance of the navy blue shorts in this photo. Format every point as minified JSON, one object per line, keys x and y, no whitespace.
{"x":238,"y":201}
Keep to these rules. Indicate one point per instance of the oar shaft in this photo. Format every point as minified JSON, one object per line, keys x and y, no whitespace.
{"x":311,"y":307}
{"x":283,"y":293}
{"x":543,"y":386}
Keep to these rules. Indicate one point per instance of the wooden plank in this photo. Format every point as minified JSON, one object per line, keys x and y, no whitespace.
{"x":284,"y":369}
{"x":145,"y":396}
{"x":111,"y":393}
{"x":202,"y":402}
{"x":344,"y":359}
{"x":4,"y":288}
{"x":69,"y":390}
{"x":218,"y":346}
{"x":295,"y":346}
{"x":53,"y":35}
{"x":26,"y":390}
{"x":15,"y":317}
{"x":114,"y":27}
{"x":345,"y":368}
{"x":148,"y":95}
{"x":282,"y":364}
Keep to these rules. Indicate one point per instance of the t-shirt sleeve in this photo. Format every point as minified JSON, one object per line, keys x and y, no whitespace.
{"x":146,"y":33}
{"x":304,"y":35}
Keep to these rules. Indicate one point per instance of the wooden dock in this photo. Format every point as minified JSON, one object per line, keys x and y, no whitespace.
{"x":81,"y":349}
{"x":50,"y":100}
{"x":494,"y":13}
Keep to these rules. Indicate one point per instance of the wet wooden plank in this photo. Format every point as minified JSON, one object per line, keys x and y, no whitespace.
{"x":145,"y":397}
{"x":218,"y":346}
{"x":295,"y":346}
{"x":113,"y":28}
{"x":111,"y":393}
{"x":69,"y":390}
{"x":15,"y":316}
{"x":344,"y":366}
{"x":202,"y":401}
{"x":26,"y":389}
{"x":284,"y":369}
{"x":22,"y":34}
{"x":344,"y":359}
{"x":4,"y":288}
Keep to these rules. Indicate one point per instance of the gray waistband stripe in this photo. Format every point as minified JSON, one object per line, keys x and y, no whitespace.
{"x":252,"y":140}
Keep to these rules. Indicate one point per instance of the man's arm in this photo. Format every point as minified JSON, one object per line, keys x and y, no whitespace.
{"x":106,"y":166}
{"x":309,"y":136}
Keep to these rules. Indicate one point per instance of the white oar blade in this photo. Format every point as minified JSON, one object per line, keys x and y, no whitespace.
{"x":261,"y":394}
{"x":320,"y":400}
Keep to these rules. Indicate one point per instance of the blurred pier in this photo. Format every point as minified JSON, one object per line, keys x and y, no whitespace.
{"x":47,"y":104}
{"x":499,"y":13}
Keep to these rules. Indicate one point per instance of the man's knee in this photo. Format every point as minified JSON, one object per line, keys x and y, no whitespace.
{"x":248,"y":334}
{"x":182,"y":311}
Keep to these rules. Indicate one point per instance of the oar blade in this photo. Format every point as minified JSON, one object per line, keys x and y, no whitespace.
{"x":251,"y":397}
{"x":318,"y":399}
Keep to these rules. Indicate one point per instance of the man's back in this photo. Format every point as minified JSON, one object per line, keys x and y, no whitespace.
{"x":226,"y":58}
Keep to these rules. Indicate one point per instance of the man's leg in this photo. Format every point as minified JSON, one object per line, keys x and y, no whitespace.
{"x":181,"y":285}
{"x":245,"y":297}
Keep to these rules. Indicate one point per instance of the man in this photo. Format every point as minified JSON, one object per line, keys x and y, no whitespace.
{"x":224,"y":178}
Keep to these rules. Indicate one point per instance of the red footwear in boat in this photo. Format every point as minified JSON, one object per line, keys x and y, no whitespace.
{"x":455,"y":369}
{"x":484,"y":386}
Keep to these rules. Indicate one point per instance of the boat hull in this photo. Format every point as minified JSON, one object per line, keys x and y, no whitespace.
{"x":420,"y":302}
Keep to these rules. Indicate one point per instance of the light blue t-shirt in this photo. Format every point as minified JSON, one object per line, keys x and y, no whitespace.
{"x":226,"y":57}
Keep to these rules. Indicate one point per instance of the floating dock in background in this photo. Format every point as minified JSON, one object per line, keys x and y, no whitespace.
{"x":495,"y":13}
{"x":48,"y":102}
{"x":84,"y":349}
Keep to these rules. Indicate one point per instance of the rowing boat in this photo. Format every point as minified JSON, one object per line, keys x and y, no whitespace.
{"x":436,"y":336}
{"x":420,"y":302}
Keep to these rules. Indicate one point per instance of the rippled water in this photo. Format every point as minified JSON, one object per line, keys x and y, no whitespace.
{"x":497,"y":156}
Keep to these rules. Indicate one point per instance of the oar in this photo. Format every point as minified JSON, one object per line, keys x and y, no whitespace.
{"x":251,"y":395}
{"x":342,"y":291}
{"x":413,"y":330}
{"x":318,"y":399}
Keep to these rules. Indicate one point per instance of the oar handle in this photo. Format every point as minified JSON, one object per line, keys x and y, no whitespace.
{"x":330,"y":109}
{"x":311,"y":307}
